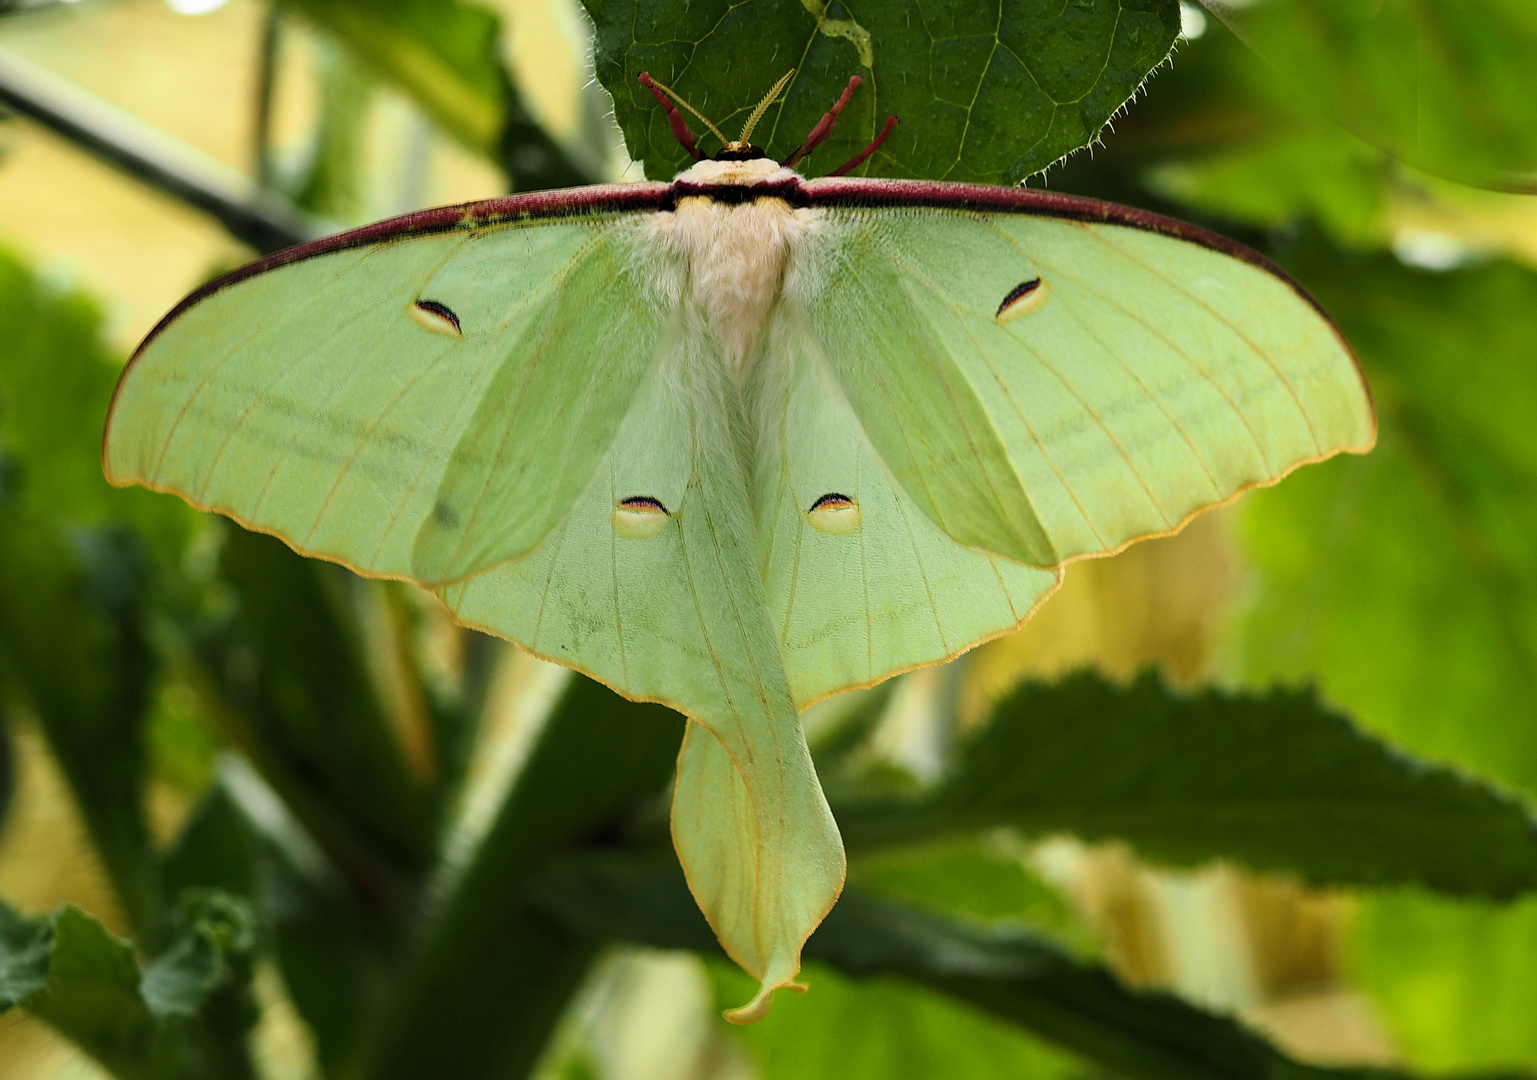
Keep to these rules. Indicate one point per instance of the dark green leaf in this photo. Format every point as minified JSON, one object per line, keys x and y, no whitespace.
{"x":1446,"y":85}
{"x":291,"y":669}
{"x":213,"y":850}
{"x":184,"y":1015}
{"x":24,"y":947}
{"x":847,"y":1028}
{"x":55,"y":384}
{"x":985,"y":92}
{"x":1006,"y":971}
{"x":72,"y":644}
{"x":488,"y":962}
{"x":1272,"y":780}
{"x":337,"y":962}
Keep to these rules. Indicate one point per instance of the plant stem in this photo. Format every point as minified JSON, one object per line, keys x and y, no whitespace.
{"x":259,"y":218}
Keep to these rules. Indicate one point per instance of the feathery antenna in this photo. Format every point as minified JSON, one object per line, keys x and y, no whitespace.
{"x":757,"y":114}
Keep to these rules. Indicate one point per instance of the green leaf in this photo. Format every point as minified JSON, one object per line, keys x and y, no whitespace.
{"x":1455,"y":980}
{"x":55,"y":384}
{"x":486,"y":961}
{"x":442,"y":52}
{"x":184,"y":1015}
{"x":213,"y":851}
{"x":874,"y":1029}
{"x":985,"y":92}
{"x":1273,"y":780}
{"x":1446,"y":85}
{"x":72,"y":644}
{"x":1006,"y":972}
{"x":446,"y":54}
{"x":1318,"y":173}
{"x":24,"y":948}
{"x":331,"y":184}
{"x":77,"y":564}
{"x":1406,"y":582}
{"x":983,"y":878}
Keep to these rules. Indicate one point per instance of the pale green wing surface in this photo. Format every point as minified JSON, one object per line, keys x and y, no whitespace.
{"x":1141,"y":378}
{"x":320,"y":401}
{"x":860,"y":591}
{"x":670,"y":607}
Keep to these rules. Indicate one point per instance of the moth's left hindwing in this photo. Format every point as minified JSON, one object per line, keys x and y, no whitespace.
{"x":420,"y":408}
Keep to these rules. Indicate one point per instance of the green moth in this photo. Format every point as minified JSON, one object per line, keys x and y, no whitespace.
{"x":739,"y":442}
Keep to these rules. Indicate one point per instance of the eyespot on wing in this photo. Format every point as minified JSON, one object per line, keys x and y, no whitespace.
{"x":1026,"y":298}
{"x":436,"y":317}
{"x":834,"y":513}
{"x":640,"y":516}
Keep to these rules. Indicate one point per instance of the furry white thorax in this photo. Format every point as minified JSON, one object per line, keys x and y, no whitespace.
{"x":729,"y":260}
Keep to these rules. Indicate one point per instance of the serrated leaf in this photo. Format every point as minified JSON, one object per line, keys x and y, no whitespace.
{"x":1446,"y":85}
{"x":181,"y":1017}
{"x":1272,"y":780}
{"x":24,"y":946}
{"x":1006,"y":972}
{"x":985,"y":92}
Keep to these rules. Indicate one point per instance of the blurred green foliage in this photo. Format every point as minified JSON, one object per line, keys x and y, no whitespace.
{"x":326,"y":743}
{"x":1444,"y":85}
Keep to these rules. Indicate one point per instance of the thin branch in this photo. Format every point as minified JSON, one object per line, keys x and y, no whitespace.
{"x":259,"y":218}
{"x":266,"y":78}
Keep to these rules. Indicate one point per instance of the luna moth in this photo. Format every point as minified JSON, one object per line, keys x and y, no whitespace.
{"x":740,"y":441}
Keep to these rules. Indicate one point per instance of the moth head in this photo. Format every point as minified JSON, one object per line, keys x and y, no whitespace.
{"x":741,"y":148}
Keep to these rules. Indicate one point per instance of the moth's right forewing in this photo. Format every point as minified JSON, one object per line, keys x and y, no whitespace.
{"x":345,"y":400}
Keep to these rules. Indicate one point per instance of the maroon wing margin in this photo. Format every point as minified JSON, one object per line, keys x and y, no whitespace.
{"x":830,"y":191}
{"x":990,"y":198}
{"x":533,"y":206}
